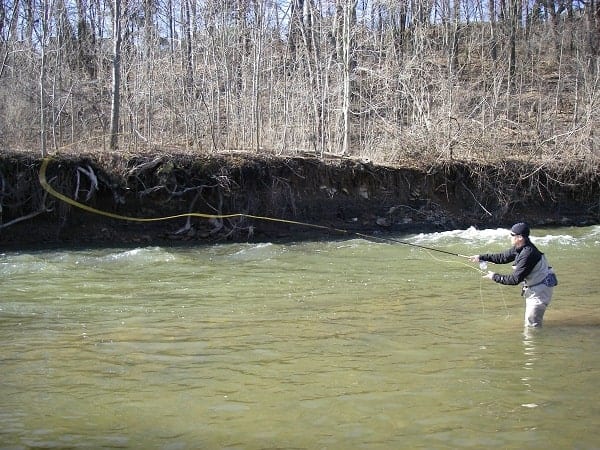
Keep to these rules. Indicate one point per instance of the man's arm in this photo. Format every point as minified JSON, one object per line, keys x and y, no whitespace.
{"x":525,"y":264}
{"x":500,"y":258}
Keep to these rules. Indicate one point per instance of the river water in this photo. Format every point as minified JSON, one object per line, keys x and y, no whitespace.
{"x":330,"y":345}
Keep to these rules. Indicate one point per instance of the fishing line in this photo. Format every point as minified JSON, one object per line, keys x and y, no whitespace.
{"x":483,"y":269}
{"x":476,"y":269}
{"x":504,"y":302}
{"x":44,"y":182}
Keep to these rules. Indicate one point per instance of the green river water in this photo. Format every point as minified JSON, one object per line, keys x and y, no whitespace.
{"x":315,"y":345}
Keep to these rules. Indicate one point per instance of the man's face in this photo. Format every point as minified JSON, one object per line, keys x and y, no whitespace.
{"x":516,"y":240}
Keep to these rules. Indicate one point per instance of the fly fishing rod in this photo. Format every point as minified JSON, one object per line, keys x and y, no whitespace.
{"x":422,"y":247}
{"x":70,"y":201}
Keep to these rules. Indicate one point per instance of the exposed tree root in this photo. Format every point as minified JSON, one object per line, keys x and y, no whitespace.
{"x":342,"y":193}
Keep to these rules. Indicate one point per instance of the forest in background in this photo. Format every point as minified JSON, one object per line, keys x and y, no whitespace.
{"x":394,"y":82}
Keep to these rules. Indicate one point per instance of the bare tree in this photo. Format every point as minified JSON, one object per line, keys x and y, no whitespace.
{"x":384,"y":77}
{"x":45,"y":11}
{"x":347,"y":18}
{"x":592,"y":19}
{"x":116,"y":76}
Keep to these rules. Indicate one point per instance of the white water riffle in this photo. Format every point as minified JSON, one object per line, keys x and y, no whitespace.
{"x":325,"y":344}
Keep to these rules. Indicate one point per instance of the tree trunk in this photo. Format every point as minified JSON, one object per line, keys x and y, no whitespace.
{"x":514,"y":24}
{"x":349,"y":66}
{"x":42,"y":80}
{"x":493,"y":42}
{"x":116,"y":82}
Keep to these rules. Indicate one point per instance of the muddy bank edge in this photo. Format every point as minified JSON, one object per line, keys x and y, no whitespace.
{"x":338,"y":193}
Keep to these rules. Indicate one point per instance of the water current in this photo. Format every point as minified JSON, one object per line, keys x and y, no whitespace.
{"x":327,"y":344}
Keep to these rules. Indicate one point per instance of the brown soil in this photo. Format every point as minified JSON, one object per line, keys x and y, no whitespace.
{"x":341,"y":193}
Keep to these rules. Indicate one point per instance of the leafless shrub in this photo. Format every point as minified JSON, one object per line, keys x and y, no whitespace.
{"x":380,"y":82}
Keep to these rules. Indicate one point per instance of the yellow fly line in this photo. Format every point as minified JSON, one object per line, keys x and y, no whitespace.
{"x":70,"y":201}
{"x":44,"y":182}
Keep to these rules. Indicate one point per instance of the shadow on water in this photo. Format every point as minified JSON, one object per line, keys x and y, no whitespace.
{"x":571,"y":319}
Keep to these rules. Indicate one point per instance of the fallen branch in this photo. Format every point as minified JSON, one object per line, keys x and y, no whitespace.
{"x":23,"y":218}
{"x":477,"y":201}
{"x":147,"y":165}
{"x":150,"y":190}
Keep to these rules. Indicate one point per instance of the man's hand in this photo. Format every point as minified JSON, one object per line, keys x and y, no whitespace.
{"x":474,"y":258}
{"x":489,"y":275}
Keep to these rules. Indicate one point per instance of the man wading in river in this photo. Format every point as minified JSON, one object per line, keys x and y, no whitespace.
{"x":530,"y":267}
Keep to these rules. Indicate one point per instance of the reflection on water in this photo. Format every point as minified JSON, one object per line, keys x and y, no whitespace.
{"x":529,"y":360}
{"x":348,"y":344}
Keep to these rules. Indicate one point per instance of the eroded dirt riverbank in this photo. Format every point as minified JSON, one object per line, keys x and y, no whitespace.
{"x":341,"y":193}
